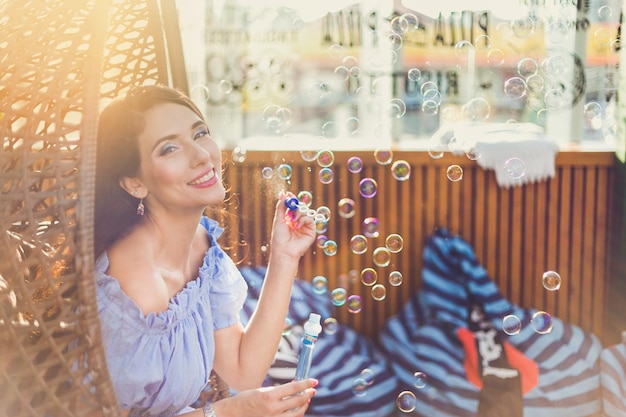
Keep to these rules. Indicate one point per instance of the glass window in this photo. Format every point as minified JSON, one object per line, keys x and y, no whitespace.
{"x":271,"y":74}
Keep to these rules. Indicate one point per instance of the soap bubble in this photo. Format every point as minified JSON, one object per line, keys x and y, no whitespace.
{"x":381,"y":257}
{"x":430,"y":107}
{"x":355,"y":72}
{"x":368,"y":187}
{"x":394,"y":243}
{"x":355,"y":304}
{"x":330,"y":248}
{"x":379,"y":292}
{"x":420,"y":380}
{"x":428,"y":86}
{"x":511,"y":324}
{"x":323,"y":211}
{"x":330,"y":130}
{"x":541,"y":322}
{"x":200,"y":93}
{"x":355,"y":164}
{"x":370,"y":227}
{"x":401,"y":170}
{"x":473,"y":153}
{"x":414,"y":74}
{"x":358,"y":244}
{"x":368,"y":375}
{"x":284,"y":172}
{"x":432,"y":96}
{"x":395,"y":278}
{"x":346,"y":208}
{"x":515,"y":87}
{"x":239,"y":154}
{"x":409,"y":21}
{"x":318,"y":90}
{"x":592,"y":110}
{"x":369,"y":276}
{"x":320,"y":240}
{"x":321,"y":226}
{"x":287,"y":327}
{"x":495,"y":57}
{"x":477,"y":109}
{"x":226,"y":86}
{"x":605,"y":12}
{"x":338,"y":296}
{"x":326,"y":175}
{"x":275,"y":116}
{"x":383,"y":156}
{"x":523,"y":27}
{"x":436,"y":150}
{"x":396,"y":108}
{"x":267,"y":172}
{"x":305,"y":197}
{"x":359,"y":387}
{"x":482,"y":42}
{"x":309,"y":156}
{"x":325,"y":158}
{"x":330,"y":326}
{"x":320,"y":284}
{"x":336,"y":50}
{"x":352,"y":125}
{"x":551,"y":280}
{"x":342,"y":72}
{"x":527,"y":67}
{"x":514,"y":168}
{"x":535,"y":83}
{"x":463,"y":49}
{"x":454,"y":173}
{"x":554,"y":99}
{"x":395,"y":41}
{"x":406,"y":402}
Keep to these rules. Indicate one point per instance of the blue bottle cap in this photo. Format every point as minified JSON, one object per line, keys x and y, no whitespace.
{"x":292,"y":203}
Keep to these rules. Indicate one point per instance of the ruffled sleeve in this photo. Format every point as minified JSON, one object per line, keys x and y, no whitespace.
{"x":228,"y":288}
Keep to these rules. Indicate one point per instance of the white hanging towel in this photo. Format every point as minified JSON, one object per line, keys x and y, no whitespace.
{"x":519,"y":153}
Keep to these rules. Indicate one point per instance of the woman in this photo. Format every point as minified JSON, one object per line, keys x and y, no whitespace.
{"x":168,"y":295}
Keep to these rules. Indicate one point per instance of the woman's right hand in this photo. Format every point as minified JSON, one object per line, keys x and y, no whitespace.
{"x":288,"y":400}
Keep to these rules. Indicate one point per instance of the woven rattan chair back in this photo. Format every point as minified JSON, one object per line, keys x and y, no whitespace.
{"x":60,"y":62}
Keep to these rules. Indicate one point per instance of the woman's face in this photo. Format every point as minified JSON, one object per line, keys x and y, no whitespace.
{"x":180,"y":162}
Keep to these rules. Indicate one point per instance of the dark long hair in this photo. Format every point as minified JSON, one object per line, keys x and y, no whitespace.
{"x":120,"y":125}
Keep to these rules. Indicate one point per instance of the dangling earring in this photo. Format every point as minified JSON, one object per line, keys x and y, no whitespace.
{"x":140,"y":207}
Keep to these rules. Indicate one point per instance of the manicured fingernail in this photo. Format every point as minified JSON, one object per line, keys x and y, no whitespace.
{"x":315,"y":382}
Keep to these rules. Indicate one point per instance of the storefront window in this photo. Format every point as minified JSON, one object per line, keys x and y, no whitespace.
{"x":372,"y":73}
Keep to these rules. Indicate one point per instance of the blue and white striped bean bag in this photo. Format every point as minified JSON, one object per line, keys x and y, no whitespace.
{"x":613,"y":380}
{"x":422,"y":337}
{"x":339,"y":359}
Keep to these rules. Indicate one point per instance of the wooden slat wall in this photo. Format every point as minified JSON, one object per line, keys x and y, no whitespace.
{"x":561,"y":224}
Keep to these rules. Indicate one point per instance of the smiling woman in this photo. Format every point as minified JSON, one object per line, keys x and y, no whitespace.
{"x":168,"y":295}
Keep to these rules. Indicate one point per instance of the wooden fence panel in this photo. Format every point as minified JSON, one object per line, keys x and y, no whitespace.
{"x":517,"y":233}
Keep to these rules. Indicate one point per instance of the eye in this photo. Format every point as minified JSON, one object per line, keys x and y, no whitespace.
{"x":202,"y":133}
{"x":167,"y":149}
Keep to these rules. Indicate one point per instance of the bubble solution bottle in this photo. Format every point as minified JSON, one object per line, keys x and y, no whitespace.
{"x":312,"y":329}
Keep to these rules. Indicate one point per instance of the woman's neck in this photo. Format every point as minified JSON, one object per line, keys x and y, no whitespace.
{"x":173,"y":239}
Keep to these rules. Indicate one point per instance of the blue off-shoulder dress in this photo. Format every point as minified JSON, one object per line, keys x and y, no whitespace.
{"x":159,"y":363}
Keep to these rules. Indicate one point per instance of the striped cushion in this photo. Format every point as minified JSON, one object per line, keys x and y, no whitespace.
{"x":422,"y":337}
{"x":613,"y":379}
{"x":339,"y":359}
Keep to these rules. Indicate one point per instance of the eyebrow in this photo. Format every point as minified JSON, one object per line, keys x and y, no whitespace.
{"x":174,"y":136}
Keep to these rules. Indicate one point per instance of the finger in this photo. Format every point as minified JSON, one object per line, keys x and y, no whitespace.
{"x":295,"y":387}
{"x":281,"y":210}
{"x":298,"y":401}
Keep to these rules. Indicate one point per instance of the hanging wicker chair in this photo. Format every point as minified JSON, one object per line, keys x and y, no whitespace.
{"x":60,"y":62}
